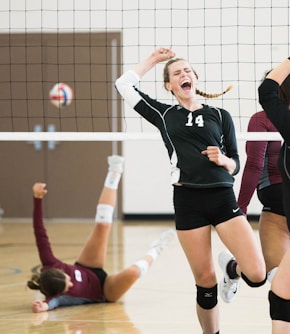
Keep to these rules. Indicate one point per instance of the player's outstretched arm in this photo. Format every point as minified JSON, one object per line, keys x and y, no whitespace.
{"x":159,"y":55}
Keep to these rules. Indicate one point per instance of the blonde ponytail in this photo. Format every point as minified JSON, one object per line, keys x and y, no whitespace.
{"x":212,"y":96}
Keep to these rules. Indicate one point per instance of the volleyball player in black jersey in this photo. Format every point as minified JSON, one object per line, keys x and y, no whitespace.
{"x":274,"y":96}
{"x":202,"y":148}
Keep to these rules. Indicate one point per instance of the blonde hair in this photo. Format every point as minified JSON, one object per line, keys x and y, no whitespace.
{"x":199,"y":92}
{"x":212,"y":96}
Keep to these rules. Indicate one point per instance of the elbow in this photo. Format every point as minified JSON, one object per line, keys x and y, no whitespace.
{"x":237,"y":167}
{"x":122,"y":87}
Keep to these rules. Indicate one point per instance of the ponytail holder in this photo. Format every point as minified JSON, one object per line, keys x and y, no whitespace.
{"x":35,"y":282}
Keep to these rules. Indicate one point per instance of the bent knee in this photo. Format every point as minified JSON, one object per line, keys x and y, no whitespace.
{"x":255,"y":280}
{"x":256,"y":273}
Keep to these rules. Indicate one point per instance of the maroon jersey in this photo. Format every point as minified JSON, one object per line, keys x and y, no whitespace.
{"x":86,"y":285}
{"x":261,"y":167}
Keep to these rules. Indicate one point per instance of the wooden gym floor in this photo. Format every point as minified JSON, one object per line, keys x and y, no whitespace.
{"x":162,"y":302}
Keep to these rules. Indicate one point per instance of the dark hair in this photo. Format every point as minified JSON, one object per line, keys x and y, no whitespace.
{"x":50,"y":282}
{"x":203,"y":94}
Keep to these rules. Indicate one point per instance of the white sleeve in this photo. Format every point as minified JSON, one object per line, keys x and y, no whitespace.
{"x":125,"y":86}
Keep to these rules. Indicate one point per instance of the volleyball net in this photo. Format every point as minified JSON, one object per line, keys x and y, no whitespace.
{"x":88,"y":44}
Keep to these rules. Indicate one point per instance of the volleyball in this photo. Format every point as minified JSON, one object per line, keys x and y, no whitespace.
{"x":61,"y":95}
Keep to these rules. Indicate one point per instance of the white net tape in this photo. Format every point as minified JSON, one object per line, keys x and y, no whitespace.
{"x":114,"y":136}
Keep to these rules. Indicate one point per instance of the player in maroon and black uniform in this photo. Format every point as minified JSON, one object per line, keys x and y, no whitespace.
{"x":85,"y":281}
{"x":202,"y":149}
{"x":274,"y":96}
{"x":261,"y":173}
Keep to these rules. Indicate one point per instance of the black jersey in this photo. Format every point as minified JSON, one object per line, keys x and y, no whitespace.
{"x":186,"y":134}
{"x":279,"y":115}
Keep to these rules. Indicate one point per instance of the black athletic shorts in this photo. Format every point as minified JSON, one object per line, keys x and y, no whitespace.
{"x":100,"y":273}
{"x":271,"y":198}
{"x":195,"y":207}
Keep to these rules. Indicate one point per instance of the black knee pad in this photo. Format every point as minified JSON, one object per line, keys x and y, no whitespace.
{"x":253,"y":284}
{"x":279,"y":307}
{"x":206,"y":297}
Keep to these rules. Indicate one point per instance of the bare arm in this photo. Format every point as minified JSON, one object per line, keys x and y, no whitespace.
{"x":158,"y":56}
{"x":281,"y":72}
{"x":125,"y":83}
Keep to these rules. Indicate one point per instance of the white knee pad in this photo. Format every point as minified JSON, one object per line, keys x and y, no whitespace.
{"x":104,"y":213}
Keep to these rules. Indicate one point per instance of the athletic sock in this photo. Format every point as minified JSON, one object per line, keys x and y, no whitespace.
{"x":160,"y":244}
{"x":112,"y":180}
{"x":143,"y":266}
{"x":271,"y":273}
{"x":114,"y":172}
{"x":155,"y":250}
